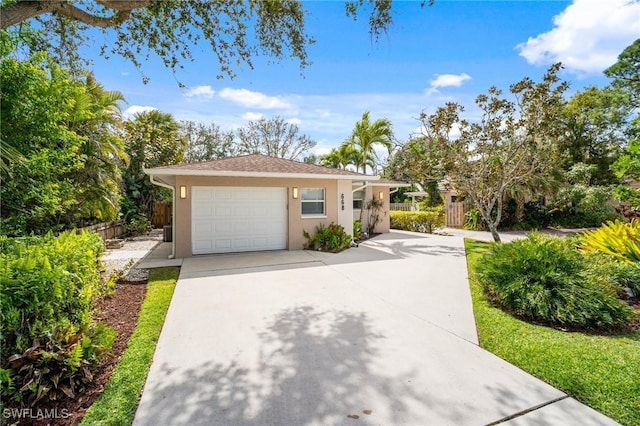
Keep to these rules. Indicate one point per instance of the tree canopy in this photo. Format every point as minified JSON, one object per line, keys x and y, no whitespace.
{"x":626,"y":72}
{"x":236,"y":30}
{"x":513,"y":142}
{"x":275,"y":137}
{"x":65,"y":133}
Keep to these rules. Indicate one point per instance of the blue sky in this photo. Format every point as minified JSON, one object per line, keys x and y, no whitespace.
{"x":453,"y":50}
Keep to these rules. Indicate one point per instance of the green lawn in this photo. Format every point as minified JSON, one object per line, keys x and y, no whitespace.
{"x":600,"y":371}
{"x":117,"y":404}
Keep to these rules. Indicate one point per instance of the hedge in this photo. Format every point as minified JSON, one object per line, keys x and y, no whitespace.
{"x":422,"y":221}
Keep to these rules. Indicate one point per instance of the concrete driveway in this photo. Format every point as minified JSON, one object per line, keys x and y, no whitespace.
{"x":380,"y":334}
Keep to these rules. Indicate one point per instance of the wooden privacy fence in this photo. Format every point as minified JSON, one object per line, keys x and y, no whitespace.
{"x":404,"y":207}
{"x":162,"y":211}
{"x":108,"y":230}
{"x":454,"y":215}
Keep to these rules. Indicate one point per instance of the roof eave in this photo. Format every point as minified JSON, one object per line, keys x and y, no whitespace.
{"x":227,"y":173}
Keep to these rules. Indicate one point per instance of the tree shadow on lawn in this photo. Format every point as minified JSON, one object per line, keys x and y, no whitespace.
{"x":313,"y":367}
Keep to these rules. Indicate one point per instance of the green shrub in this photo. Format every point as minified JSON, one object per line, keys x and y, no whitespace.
{"x":47,"y":285}
{"x":330,"y":238}
{"x":582,"y":206}
{"x":546,"y":279}
{"x":138,"y":225}
{"x":357,"y":229}
{"x":422,"y":221}
{"x":472,"y":219}
{"x":626,"y":275}
{"x":620,"y":240}
{"x":60,"y":366}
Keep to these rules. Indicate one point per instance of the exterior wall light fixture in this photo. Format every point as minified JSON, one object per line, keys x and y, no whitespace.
{"x":183,"y":191}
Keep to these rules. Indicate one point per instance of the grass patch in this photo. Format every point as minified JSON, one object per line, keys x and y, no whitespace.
{"x":600,"y":371}
{"x":117,"y":404}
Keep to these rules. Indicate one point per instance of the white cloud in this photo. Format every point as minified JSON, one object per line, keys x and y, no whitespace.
{"x":587,"y":36}
{"x":250,"y":99}
{"x":447,"y":80}
{"x":252,"y":116}
{"x":200,"y":91}
{"x":322,"y":151}
{"x":294,"y":120}
{"x":137,"y":109}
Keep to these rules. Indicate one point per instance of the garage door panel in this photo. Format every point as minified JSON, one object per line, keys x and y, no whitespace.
{"x":201,"y":245}
{"x":203,"y":228}
{"x":233,"y":219}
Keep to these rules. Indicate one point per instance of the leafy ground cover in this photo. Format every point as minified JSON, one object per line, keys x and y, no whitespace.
{"x":600,"y":370}
{"x":117,"y":404}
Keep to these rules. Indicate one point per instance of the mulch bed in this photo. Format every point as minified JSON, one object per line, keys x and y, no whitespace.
{"x":120,"y":312}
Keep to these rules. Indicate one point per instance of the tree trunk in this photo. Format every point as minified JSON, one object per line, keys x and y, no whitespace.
{"x":494,"y":231}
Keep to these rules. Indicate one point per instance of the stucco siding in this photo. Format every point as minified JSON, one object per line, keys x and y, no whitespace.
{"x":297,"y":222}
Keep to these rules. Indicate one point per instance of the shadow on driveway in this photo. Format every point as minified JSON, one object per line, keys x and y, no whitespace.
{"x":314,"y":367}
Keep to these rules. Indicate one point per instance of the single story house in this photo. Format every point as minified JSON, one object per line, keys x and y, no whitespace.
{"x":256,"y":202}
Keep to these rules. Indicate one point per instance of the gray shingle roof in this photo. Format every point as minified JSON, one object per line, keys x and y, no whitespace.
{"x":262,"y":163}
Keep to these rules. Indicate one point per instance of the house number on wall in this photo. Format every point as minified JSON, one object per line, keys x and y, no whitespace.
{"x":342,"y":201}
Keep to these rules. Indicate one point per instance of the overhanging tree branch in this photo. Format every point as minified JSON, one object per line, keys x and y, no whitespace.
{"x":12,"y":14}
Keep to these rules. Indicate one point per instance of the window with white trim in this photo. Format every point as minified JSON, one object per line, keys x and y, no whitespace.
{"x":358,"y":196}
{"x":312,"y":201}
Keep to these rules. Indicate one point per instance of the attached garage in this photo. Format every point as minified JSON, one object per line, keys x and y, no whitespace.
{"x":256,"y":202}
{"x":229,"y":219}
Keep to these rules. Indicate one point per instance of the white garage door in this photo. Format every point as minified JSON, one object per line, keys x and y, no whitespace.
{"x":233,"y":219}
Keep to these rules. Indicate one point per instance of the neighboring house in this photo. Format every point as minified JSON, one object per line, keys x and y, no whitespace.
{"x":255,"y":202}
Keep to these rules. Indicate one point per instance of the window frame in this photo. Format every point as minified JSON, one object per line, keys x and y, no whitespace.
{"x":323,"y":201}
{"x":361,"y":200}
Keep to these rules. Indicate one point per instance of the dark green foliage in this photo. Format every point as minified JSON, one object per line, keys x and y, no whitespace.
{"x":627,"y":275}
{"x":60,"y":148}
{"x":59,"y":367}
{"x":330,"y":238}
{"x":422,"y":221}
{"x":152,"y":140}
{"x":546,"y":279}
{"x":536,"y":215}
{"x":47,"y":285}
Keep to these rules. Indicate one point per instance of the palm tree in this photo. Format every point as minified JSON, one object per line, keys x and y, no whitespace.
{"x":96,"y":116}
{"x":367,"y":134}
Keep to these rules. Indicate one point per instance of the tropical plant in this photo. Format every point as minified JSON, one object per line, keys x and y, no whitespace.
{"x":620,"y":240}
{"x":367,"y":135}
{"x":330,"y":238}
{"x":58,"y":367}
{"x":38,"y":193}
{"x":97,"y":117}
{"x":357,"y":229}
{"x":50,"y":342}
{"x":152,"y":140}
{"x":472,"y":219}
{"x":374,"y":208}
{"x":546,"y":279}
